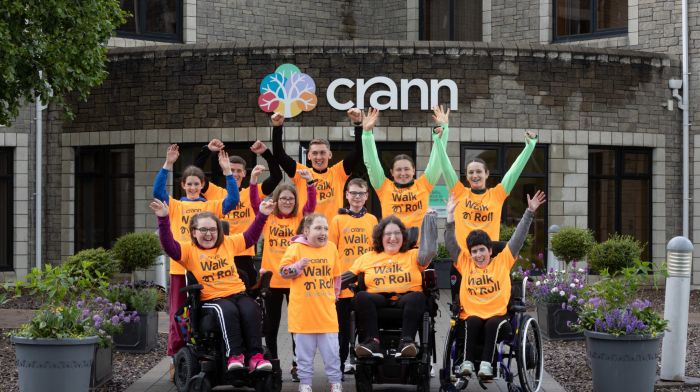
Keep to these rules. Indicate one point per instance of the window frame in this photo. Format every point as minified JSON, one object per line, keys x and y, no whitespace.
{"x":423,"y":24}
{"x":618,"y":176}
{"x":140,"y":25}
{"x":594,"y":34}
{"x":8,"y":153}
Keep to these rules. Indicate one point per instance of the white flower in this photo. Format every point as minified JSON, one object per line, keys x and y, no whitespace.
{"x":538,"y":283}
{"x":572,"y":285}
{"x":580,"y":270}
{"x":575,"y":281}
{"x":554,"y":289}
{"x":546,"y":281}
{"x":562,"y":293}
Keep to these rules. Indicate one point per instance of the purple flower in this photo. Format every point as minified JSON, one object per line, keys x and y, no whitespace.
{"x":115,"y":320}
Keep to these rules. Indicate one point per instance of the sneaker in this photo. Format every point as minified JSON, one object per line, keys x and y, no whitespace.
{"x":432,"y":371}
{"x":370,"y":348}
{"x":258,"y":363}
{"x":235,"y":362}
{"x":485,"y":371}
{"x":349,"y":368}
{"x":465,"y":369}
{"x":295,"y":376}
{"x":305,"y":388}
{"x":336,"y":387}
{"x":407,"y":349}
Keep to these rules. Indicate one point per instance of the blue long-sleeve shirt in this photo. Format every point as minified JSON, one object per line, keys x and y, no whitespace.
{"x":161,"y":193}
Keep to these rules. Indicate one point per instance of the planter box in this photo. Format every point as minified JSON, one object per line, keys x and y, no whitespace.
{"x":140,"y":337}
{"x":101,"y":367}
{"x":553,"y":322}
{"x":442,"y":268}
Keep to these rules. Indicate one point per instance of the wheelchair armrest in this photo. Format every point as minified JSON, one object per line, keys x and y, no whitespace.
{"x":429,"y":279}
{"x":192,"y":287}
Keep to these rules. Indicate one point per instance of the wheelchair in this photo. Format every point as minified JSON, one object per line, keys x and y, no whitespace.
{"x":201,"y":364}
{"x":392,"y":369}
{"x":519,"y":342}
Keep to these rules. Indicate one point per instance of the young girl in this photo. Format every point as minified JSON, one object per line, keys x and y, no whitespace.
{"x":311,"y":264}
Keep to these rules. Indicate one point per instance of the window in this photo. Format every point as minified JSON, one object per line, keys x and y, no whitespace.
{"x":614,"y":175}
{"x":499,"y":158}
{"x":104,"y":197}
{"x":6,"y":208}
{"x":576,"y":19}
{"x":159,"y":20}
{"x":450,"y":20}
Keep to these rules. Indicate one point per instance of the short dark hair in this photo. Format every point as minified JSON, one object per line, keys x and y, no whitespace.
{"x":479,"y":237}
{"x":358,"y":182}
{"x":477,"y":160}
{"x":378,"y":233}
{"x":192,"y":170}
{"x":403,"y":157}
{"x":237,"y":159}
{"x":325,"y":142}
{"x":219,"y":227}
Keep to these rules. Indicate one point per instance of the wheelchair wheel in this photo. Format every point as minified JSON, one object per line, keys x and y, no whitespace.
{"x":268,"y":384}
{"x":530,"y":360}
{"x":423,"y":384}
{"x":200,"y":385}
{"x":363,"y":377}
{"x":186,"y":367}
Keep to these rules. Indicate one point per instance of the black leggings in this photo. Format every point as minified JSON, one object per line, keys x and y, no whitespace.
{"x":344,"y":307}
{"x":239,"y":319}
{"x":480,"y":333}
{"x":366,"y":305}
{"x":273,"y":314}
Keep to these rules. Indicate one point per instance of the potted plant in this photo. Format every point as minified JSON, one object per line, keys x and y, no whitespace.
{"x":442,"y":264}
{"x":557,"y":295}
{"x":137,"y":251}
{"x":614,"y":254}
{"x":142,"y":298}
{"x":572,"y":244}
{"x":622,"y":332}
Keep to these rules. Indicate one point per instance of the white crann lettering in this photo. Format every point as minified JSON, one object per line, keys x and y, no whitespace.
{"x":422,"y":85}
{"x":330,"y":94}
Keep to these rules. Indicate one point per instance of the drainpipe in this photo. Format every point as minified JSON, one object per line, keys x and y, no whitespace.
{"x":38,"y":179}
{"x":686,"y":122}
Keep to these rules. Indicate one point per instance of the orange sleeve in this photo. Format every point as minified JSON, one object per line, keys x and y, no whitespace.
{"x":357,"y":266}
{"x":458,"y":189}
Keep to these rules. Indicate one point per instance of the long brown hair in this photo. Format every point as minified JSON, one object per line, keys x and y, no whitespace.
{"x":276,"y":195}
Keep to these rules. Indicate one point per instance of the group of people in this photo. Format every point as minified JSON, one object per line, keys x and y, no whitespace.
{"x":312,"y":244}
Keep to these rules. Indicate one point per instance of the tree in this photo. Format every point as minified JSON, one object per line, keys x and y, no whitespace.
{"x":65,"y":40}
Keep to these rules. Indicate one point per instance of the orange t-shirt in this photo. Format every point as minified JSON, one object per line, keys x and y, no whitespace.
{"x":278,"y":233}
{"x":329,"y":189}
{"x":408,"y":204}
{"x":478,"y":211}
{"x":353,"y":236}
{"x":312,"y":294}
{"x":180,"y":213}
{"x":484,"y":292}
{"x":214,"y":268}
{"x":385,"y":273}
{"x":241,"y":217}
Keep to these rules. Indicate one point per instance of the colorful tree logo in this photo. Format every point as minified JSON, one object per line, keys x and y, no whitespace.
{"x":287,"y":91}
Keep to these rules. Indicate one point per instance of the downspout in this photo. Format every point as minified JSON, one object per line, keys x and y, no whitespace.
{"x":38,"y":179}
{"x":686,"y":122}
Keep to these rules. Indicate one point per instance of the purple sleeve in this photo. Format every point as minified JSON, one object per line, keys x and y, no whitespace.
{"x":254,"y":198}
{"x":170,"y":246}
{"x":291,"y":271}
{"x":310,"y":205}
{"x":252,"y":233}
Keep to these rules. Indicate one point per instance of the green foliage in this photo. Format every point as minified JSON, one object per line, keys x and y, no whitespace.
{"x":572,"y":243}
{"x":137,"y":250}
{"x":135,"y":297}
{"x":63,"y":283}
{"x":442,"y":252}
{"x":64,"y":39}
{"x":57,"y":322}
{"x":618,"y":252}
{"x":94,"y":260}
{"x":507,"y":232}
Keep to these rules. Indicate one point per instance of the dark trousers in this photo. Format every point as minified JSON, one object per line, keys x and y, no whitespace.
{"x":344,"y":307}
{"x":240,"y":322}
{"x":481,"y":333}
{"x":366,"y":306}
{"x":273,"y":314}
{"x":246,"y":270}
{"x":176,"y":300}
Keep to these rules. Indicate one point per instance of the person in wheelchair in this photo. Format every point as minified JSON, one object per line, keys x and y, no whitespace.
{"x":209,"y":257}
{"x":393,"y":277}
{"x":485,"y":287}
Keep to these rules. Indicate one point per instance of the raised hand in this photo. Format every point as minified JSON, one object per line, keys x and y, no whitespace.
{"x":530,"y":135}
{"x":215,"y":145}
{"x":225,"y":163}
{"x":305,"y":174}
{"x":266,"y":207}
{"x":440,"y":116}
{"x":258,"y":148}
{"x":536,"y":201}
{"x":369,"y":119}
{"x":451,"y":205}
{"x":277,"y":119}
{"x":256,"y":172}
{"x":172,"y":155}
{"x":159,"y":208}
{"x":355,"y":115}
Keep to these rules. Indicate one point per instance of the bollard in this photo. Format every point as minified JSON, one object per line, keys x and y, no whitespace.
{"x":161,"y":271}
{"x":552,"y":262}
{"x":679,"y":255}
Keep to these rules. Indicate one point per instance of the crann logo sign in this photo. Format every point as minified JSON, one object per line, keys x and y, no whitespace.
{"x":287,"y":91}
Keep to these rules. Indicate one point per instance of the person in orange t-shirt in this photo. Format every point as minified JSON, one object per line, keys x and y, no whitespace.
{"x":393,"y":270}
{"x":311,"y":265}
{"x":485,"y":287}
{"x":209,"y":256}
{"x":351,"y":231}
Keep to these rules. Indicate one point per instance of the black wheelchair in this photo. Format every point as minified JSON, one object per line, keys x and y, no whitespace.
{"x":201,"y":364}
{"x":392,"y":369}
{"x":519,"y":344}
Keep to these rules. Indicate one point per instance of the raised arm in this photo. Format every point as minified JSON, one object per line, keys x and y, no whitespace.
{"x":450,"y":240}
{"x":355,"y":155}
{"x":268,"y":186}
{"x":288,"y":164}
{"x":515,"y":244}
{"x":159,"y":191}
{"x":170,"y":246}
{"x":310,"y":205}
{"x":215,"y":145}
{"x":369,"y":149}
{"x":232,"y":196}
{"x":253,"y":232}
{"x":254,"y":198}
{"x":512,"y":175}
{"x":434,"y":167}
{"x":427,"y":248}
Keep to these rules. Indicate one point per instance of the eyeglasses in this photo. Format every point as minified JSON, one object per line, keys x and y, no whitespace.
{"x":286,"y":199}
{"x":205,"y":230}
{"x":357,"y":194}
{"x":392,"y":234}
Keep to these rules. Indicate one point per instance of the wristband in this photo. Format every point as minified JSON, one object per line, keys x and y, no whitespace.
{"x":311,"y":182}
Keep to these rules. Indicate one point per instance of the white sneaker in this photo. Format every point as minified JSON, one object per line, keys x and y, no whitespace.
{"x":485,"y":370}
{"x":336,"y":387}
{"x":465,"y":369}
{"x":349,"y":368}
{"x":432,"y":370}
{"x":305,"y":388}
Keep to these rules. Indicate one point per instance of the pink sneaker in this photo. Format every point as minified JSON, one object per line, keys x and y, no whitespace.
{"x":235,"y":362}
{"x":259,"y":363}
